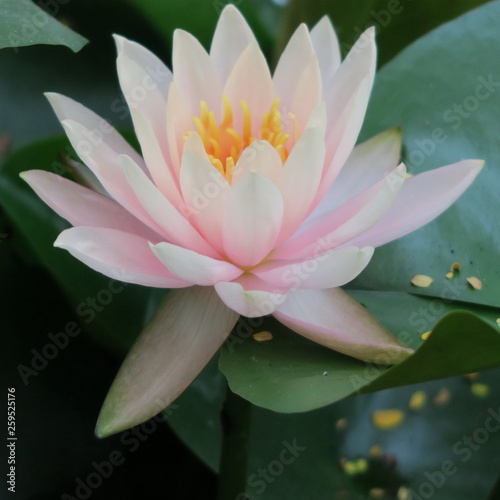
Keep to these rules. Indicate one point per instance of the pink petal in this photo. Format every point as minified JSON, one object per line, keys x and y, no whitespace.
{"x":250,"y":81}
{"x":232,"y":36}
{"x":83,"y":207}
{"x":119,"y":255}
{"x":351,"y":219}
{"x":144,"y":80}
{"x":369,"y":162}
{"x":327,"y":49}
{"x":193,"y":267}
{"x":346,"y":101}
{"x":295,"y":58}
{"x":186,"y":331}
{"x":333,"y":319}
{"x":328,"y":270}
{"x":250,"y":296}
{"x":300,"y":178}
{"x":252,"y":219}
{"x":194,"y":74}
{"x":175,"y":226}
{"x":260,"y":157}
{"x":422,"y":199}
{"x":205,"y":192}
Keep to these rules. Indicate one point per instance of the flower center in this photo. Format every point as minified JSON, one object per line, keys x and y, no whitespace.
{"x":224,"y":144}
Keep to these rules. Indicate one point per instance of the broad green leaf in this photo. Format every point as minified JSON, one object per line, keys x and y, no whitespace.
{"x":398,"y":22}
{"x":291,"y":374}
{"x":112,"y":310}
{"x":24,"y":23}
{"x":446,"y":116}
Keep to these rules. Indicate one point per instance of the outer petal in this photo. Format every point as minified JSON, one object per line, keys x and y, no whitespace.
{"x":300,"y":178}
{"x":194,"y":73}
{"x":333,"y":319}
{"x":252,"y":219}
{"x":187,"y":330}
{"x":369,"y":162}
{"x":326,"y":46}
{"x":144,"y":80}
{"x":346,"y":102}
{"x":250,"y":81}
{"x":83,"y":207}
{"x":193,"y":267}
{"x":174,"y":225}
{"x":328,"y":270}
{"x":119,"y":255}
{"x":351,"y":219}
{"x":295,"y":58}
{"x":260,"y":157}
{"x":250,"y":296}
{"x":232,"y":36}
{"x":422,"y":199}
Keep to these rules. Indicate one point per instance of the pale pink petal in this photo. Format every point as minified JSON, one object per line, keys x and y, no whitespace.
{"x":326,"y":46}
{"x":369,"y":162}
{"x":422,"y":199}
{"x":119,"y":255}
{"x":346,"y":102}
{"x":83,"y":207}
{"x":300,"y":179}
{"x":295,"y":58}
{"x":99,"y":130}
{"x":351,"y":219}
{"x":250,"y":81}
{"x":260,"y":157}
{"x":176,"y":228}
{"x":194,"y":267}
{"x":328,"y":270}
{"x":205,"y":192}
{"x":194,"y":143}
{"x":179,"y":122}
{"x":308,"y":92}
{"x":186,"y":331}
{"x":250,"y":296}
{"x":252,"y":219}
{"x":232,"y":36}
{"x":333,"y":319}
{"x":144,"y":80}
{"x":194,"y":74}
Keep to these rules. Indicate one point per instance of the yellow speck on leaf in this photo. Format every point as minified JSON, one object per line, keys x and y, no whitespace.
{"x":455,"y":267}
{"x":387,"y":419}
{"x":262,"y":336}
{"x":480,"y":390}
{"x":426,"y":335}
{"x":443,"y":397}
{"x":403,"y":493}
{"x":449,"y":275}
{"x":422,"y":281}
{"x":353,"y":467}
{"x":341,"y":424}
{"x":417,"y":401}
{"x":475,"y":283}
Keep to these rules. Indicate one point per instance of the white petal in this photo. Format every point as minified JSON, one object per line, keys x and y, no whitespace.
{"x":194,"y":74}
{"x":175,"y":226}
{"x":422,"y":199}
{"x":194,"y":267}
{"x":250,"y":301}
{"x":261,"y":157}
{"x":326,"y":46}
{"x":333,"y":319}
{"x":186,"y":331}
{"x":252,"y":219}
{"x":232,"y":36}
{"x":119,"y":255}
{"x":83,"y":207}
{"x":328,"y":270}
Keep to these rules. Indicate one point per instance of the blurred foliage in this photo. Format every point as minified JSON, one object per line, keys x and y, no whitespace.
{"x":24,"y":23}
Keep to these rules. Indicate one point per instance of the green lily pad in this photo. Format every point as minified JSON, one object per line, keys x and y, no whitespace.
{"x":23,"y":23}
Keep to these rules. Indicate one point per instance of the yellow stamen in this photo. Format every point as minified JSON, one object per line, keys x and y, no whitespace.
{"x":247,"y":122}
{"x":228,"y":112}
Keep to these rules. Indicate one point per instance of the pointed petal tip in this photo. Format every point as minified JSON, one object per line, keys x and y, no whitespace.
{"x":120,"y":42}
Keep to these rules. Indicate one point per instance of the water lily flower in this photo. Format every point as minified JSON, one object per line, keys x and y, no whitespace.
{"x":250,"y":198}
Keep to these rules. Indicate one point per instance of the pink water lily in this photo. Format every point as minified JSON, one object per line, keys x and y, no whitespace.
{"x":250,"y":197}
